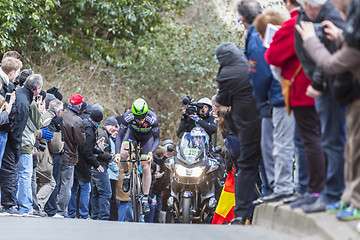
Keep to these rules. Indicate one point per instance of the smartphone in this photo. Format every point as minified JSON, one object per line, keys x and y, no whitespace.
{"x":39,"y":99}
{"x":7,"y":97}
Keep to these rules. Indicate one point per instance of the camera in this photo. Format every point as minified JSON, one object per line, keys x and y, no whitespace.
{"x":170,"y":148}
{"x":42,"y":146}
{"x":320,"y":31}
{"x":7,"y":97}
{"x":192,"y":107}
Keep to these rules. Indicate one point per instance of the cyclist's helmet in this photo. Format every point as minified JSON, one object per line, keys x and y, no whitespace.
{"x":139,"y":108}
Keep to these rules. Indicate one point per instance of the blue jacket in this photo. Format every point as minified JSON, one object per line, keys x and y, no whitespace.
{"x":266,"y":87}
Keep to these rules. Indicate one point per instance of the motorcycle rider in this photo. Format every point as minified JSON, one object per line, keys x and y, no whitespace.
{"x":201,"y":118}
{"x":139,"y":125}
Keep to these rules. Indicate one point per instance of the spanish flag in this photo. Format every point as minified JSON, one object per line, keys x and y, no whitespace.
{"x":224,"y":212}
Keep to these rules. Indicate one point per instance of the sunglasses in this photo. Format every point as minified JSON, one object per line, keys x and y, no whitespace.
{"x":139,"y":117}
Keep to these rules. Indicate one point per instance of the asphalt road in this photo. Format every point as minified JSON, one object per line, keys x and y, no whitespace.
{"x":13,"y":228}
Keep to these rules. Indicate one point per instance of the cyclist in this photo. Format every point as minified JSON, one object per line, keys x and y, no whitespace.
{"x":139,"y":125}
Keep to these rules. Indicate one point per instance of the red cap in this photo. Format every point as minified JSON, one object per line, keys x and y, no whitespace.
{"x":76,"y":99}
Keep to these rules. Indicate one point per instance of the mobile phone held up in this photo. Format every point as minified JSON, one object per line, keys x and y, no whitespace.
{"x":7,"y":97}
{"x":39,"y":99}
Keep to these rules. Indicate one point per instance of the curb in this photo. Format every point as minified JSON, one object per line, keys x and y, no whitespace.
{"x":281,"y":217}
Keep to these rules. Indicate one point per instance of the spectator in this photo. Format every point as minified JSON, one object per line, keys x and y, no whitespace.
{"x":281,"y":53}
{"x":33,"y":123}
{"x":345,"y":59}
{"x":74,"y":136}
{"x":234,"y":89}
{"x":82,"y":174}
{"x":51,"y":205}
{"x":248,"y":10}
{"x":333,"y":132}
{"x":16,"y":142}
{"x":125,"y":213}
{"x":44,"y":171}
{"x":13,"y":54}
{"x":100,"y":182}
{"x":279,"y":168}
{"x":9,"y":70}
{"x":112,"y":126}
{"x":348,"y":207}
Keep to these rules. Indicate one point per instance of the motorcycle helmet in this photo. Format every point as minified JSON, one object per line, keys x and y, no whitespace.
{"x":139,"y":108}
{"x":207,"y":102}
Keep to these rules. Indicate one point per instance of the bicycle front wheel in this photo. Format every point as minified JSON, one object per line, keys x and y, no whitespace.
{"x":135,"y":197}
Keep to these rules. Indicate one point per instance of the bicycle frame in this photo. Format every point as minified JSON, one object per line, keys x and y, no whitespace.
{"x":135,"y":181}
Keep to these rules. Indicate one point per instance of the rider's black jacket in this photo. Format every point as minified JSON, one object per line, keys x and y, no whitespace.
{"x":208,"y":123}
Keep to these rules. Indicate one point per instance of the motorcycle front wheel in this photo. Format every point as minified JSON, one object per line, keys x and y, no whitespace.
{"x":186,"y":210}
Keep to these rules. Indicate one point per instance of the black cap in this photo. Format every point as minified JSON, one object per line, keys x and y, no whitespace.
{"x":55,"y":91}
{"x":96,"y":116}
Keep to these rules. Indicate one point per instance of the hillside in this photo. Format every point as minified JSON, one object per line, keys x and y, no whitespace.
{"x":174,"y":61}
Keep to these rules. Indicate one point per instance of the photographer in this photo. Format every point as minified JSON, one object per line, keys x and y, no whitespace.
{"x":322,"y":88}
{"x":198,"y":114}
{"x":52,"y":121}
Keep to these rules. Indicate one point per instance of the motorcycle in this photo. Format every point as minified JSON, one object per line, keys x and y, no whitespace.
{"x":192,"y":178}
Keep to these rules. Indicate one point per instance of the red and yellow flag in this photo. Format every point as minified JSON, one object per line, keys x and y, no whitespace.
{"x":224,"y":212}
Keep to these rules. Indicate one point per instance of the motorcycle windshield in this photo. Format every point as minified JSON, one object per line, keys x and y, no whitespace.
{"x":192,"y":147}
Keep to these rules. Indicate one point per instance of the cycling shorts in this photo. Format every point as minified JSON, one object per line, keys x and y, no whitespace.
{"x":146,"y":142}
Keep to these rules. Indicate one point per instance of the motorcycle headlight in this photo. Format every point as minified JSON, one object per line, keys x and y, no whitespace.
{"x":188,"y":172}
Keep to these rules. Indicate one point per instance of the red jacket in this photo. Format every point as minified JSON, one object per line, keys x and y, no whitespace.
{"x":281,"y":53}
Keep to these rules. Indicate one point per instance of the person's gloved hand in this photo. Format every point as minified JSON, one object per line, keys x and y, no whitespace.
{"x":47,"y":135}
{"x":196,"y":118}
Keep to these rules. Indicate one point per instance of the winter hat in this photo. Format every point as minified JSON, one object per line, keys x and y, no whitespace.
{"x":314,"y":3}
{"x":83,"y":106}
{"x":224,"y":49}
{"x":24,"y":75}
{"x":76,"y":99}
{"x":96,"y":116}
{"x":111,"y":121}
{"x":55,"y":91}
{"x":43,"y":94}
{"x":49,"y":98}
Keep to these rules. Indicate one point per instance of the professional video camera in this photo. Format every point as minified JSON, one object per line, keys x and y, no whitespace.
{"x":192,"y":107}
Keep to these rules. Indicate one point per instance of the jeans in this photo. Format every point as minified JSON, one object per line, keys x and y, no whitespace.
{"x":150,"y":216}
{"x":24,"y":183}
{"x":283,"y":152}
{"x":3,"y":140}
{"x":247,"y":166}
{"x":125,"y":212}
{"x":333,"y":137}
{"x":301,"y":166}
{"x":51,"y":205}
{"x":100,"y":195}
{"x":66,"y":183}
{"x":84,"y":198}
{"x":158,"y":208}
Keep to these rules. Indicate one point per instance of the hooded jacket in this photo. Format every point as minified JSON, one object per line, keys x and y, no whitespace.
{"x":235,"y":90}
